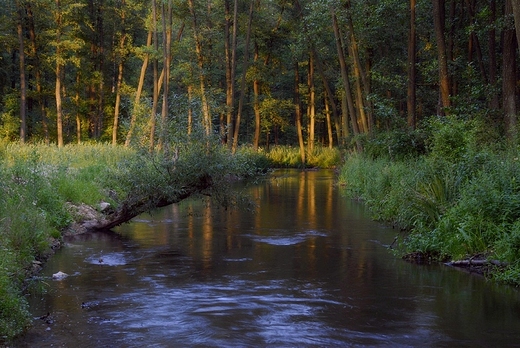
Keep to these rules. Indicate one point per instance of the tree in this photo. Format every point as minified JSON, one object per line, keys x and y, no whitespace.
{"x":412,"y":69}
{"x":444,"y":81}
{"x":120,"y":65}
{"x":345,"y":79}
{"x":243,"y":80}
{"x":23,"y":88}
{"x":509,"y":76}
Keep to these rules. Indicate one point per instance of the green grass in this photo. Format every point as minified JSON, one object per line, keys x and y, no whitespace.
{"x":451,"y":209}
{"x":38,"y":181}
{"x":289,"y":157}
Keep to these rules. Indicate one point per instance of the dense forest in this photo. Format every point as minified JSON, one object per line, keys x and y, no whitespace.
{"x":302,"y":72}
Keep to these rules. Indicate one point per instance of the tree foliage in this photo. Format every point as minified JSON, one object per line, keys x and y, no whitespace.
{"x":461,"y":52}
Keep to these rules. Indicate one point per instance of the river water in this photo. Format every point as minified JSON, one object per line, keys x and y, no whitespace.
{"x":302,"y":266}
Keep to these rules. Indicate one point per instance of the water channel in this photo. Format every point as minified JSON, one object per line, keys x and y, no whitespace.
{"x":303,"y":266}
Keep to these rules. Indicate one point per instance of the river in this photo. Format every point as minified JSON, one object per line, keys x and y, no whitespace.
{"x":300,"y":265}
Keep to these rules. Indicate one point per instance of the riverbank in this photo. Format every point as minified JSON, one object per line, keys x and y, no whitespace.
{"x":458,"y":201}
{"x":46,"y":191}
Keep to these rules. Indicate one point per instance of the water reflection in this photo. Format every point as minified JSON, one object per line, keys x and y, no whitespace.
{"x":304,"y":267}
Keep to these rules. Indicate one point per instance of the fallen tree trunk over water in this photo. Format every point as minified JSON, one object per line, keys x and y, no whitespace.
{"x":92,"y":220}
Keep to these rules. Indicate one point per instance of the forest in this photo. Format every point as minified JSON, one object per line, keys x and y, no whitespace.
{"x":303,"y":73}
{"x":414,"y":102}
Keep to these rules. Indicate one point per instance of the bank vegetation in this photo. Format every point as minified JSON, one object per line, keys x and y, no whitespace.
{"x":451,"y":189}
{"x":46,"y":191}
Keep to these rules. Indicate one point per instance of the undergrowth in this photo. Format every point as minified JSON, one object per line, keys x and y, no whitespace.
{"x":460,"y":199}
{"x":283,"y":156}
{"x":38,"y":181}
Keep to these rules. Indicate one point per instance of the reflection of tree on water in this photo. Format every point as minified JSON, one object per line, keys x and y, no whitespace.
{"x":306,"y":266}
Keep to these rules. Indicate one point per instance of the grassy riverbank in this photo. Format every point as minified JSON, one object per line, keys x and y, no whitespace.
{"x":40,"y":186}
{"x":459,"y":199}
{"x":283,"y":156}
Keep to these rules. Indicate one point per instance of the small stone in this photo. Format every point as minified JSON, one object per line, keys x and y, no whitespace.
{"x":104,"y":206}
{"x":60,"y":275}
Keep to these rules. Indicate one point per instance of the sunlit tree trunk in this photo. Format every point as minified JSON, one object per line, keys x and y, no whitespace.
{"x":345,"y":80}
{"x":444,"y":81}
{"x":137,"y":100}
{"x":329,"y":124}
{"x":155,"y":96}
{"x":59,"y":109}
{"x":206,"y":114}
{"x":298,"y":113}
{"x":256,"y":105}
{"x":119,"y":79}
{"x":167,"y":36}
{"x":329,"y":96}
{"x":311,"y":107}
{"x":77,"y":102}
{"x":362,"y":86}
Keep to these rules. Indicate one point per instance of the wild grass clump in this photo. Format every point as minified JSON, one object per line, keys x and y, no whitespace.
{"x":39,"y":182}
{"x":35,"y":183}
{"x":459,"y":200}
{"x":282,"y":156}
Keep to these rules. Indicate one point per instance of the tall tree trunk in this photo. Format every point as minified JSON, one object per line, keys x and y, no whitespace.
{"x":494,"y":100}
{"x":256,"y":103}
{"x":329,"y":124}
{"x":23,"y":87}
{"x":206,"y":113}
{"x":190,"y":109}
{"x":99,"y":47}
{"x":312,"y":104}
{"x":362,"y":86}
{"x":509,"y":78}
{"x":77,"y":102}
{"x":231,"y":49}
{"x":167,"y":38}
{"x":474,"y":42}
{"x":516,"y":15}
{"x":344,"y":118}
{"x":243,"y":80}
{"x":119,"y":80}
{"x":155,"y":96}
{"x":38,"y":72}
{"x":137,"y":100}
{"x":298,"y":113}
{"x":59,"y":111}
{"x":444,"y":81}
{"x":328,"y":93}
{"x":345,"y":80}
{"x":411,"y":98}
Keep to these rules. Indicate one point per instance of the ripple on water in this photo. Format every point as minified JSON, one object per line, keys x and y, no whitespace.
{"x":286,"y":238}
{"x":108,"y":259}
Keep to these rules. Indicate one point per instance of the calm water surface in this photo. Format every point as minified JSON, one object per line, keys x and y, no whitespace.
{"x":302,"y":267}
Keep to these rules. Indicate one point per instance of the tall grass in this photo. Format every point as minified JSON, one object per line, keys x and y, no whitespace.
{"x":37,"y":181}
{"x":289,"y":157}
{"x":453,"y":204}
